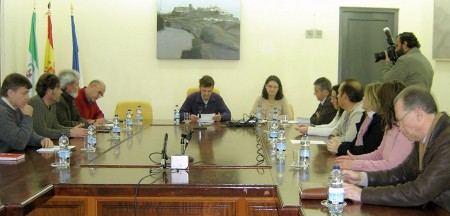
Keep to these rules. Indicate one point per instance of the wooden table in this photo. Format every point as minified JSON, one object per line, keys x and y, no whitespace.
{"x":233,"y":173}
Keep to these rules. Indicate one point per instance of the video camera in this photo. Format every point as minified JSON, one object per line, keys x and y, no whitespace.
{"x":390,"y":49}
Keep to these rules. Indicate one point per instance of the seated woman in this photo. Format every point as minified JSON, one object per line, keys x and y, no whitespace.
{"x":370,"y":128}
{"x":272,"y":97}
{"x":325,"y":129}
{"x":394,"y":147}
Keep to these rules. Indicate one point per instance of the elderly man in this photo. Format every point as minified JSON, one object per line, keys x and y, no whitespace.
{"x":16,"y":115}
{"x":66,"y":110}
{"x":425,"y":175}
{"x":45,"y":122}
{"x":86,"y":101}
{"x":207,"y":101}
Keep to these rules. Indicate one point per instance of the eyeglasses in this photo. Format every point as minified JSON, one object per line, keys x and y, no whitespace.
{"x":401,"y":119}
{"x":98,"y":91}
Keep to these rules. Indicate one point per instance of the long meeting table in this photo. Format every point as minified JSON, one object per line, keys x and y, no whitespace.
{"x":234,"y":172}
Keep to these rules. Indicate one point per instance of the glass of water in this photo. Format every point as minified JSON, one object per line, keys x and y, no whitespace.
{"x":186,"y":116}
{"x":284,"y":120}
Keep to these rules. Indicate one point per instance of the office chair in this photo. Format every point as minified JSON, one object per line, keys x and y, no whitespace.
{"x":123,"y":106}
{"x":196,"y":89}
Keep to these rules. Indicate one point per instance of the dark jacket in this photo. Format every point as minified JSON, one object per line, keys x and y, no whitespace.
{"x":67,"y":112}
{"x":327,"y":113}
{"x":406,"y":185}
{"x":371,"y":139}
{"x":215,"y":105}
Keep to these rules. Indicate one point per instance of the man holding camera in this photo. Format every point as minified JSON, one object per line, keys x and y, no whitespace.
{"x":411,"y":67}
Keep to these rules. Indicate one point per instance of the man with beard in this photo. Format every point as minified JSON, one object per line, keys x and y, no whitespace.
{"x":411,"y":67}
{"x":66,"y":110}
{"x":45,"y":122}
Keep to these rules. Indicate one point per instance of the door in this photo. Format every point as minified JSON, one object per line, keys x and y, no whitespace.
{"x":360,"y":36}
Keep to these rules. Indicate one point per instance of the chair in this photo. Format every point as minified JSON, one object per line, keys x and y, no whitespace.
{"x":123,"y":106}
{"x":196,"y":89}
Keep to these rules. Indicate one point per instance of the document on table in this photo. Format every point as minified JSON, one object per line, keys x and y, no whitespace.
{"x":55,"y":148}
{"x":312,"y":142}
{"x":207,"y":118}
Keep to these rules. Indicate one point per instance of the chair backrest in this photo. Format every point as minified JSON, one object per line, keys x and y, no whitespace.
{"x":123,"y":106}
{"x":196,"y":89}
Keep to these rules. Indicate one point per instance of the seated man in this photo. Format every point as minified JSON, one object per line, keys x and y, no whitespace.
{"x":86,"y":101}
{"x":206,"y":102}
{"x":45,"y":122}
{"x":325,"y":112}
{"x":17,"y":126}
{"x":424,"y":176}
{"x":66,"y":110}
{"x":349,"y":97}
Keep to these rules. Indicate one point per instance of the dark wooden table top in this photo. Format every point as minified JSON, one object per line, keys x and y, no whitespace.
{"x":230,"y":158}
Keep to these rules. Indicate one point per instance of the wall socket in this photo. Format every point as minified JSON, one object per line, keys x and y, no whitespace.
{"x":313,"y":33}
{"x":317,"y":33}
{"x":309,"y":33}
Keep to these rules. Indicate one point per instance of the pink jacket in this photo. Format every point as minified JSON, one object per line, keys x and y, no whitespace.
{"x":393,"y":150}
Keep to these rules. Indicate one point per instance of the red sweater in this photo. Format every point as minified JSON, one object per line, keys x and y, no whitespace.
{"x":88,"y":110}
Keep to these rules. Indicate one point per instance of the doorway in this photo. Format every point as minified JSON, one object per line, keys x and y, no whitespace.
{"x":360,"y":36}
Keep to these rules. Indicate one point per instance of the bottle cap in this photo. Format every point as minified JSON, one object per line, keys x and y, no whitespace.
{"x":336,"y":167}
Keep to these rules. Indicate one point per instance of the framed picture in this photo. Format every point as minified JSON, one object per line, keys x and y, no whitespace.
{"x":198,"y":29}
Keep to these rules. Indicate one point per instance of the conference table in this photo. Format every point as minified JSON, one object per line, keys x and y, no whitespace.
{"x":234,"y":172}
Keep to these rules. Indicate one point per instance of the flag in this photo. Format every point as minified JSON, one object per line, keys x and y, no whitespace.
{"x":75,"y":60}
{"x":49,"y":63}
{"x":32,"y":58}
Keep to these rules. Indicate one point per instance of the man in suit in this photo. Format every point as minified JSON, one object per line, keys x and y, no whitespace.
{"x":325,"y":112}
{"x":16,"y":115}
{"x":425,"y":175}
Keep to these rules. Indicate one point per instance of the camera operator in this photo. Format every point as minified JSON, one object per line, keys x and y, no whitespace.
{"x":411,"y":67}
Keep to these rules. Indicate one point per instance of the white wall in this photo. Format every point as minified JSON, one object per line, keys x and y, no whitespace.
{"x":117,"y":42}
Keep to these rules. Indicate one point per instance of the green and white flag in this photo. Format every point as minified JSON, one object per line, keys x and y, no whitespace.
{"x":32,"y":58}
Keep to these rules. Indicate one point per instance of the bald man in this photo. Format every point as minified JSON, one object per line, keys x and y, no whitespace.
{"x":86,"y":101}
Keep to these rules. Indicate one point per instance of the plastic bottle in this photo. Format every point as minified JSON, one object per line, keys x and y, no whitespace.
{"x":64,"y":152}
{"x":139,"y":115}
{"x":176,"y":115}
{"x":305,"y":151}
{"x":259,"y":113}
{"x":116,"y":128}
{"x":92,"y":137}
{"x":129,"y":120}
{"x":336,"y":190}
{"x":281,"y":145}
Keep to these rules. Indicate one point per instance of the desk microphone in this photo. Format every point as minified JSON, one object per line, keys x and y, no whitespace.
{"x":164,"y":156}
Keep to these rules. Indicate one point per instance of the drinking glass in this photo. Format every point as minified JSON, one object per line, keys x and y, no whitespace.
{"x":186,"y":117}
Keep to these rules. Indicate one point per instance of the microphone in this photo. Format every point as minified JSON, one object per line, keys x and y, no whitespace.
{"x":164,"y":156}
{"x":387,"y":31}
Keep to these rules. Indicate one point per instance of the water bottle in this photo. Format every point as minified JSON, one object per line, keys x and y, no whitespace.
{"x":176,"y":115}
{"x":64,"y":152}
{"x":139,"y":115}
{"x":258,"y":113}
{"x":116,"y":128}
{"x":275,"y":115}
{"x":305,"y":152}
{"x":129,"y":120}
{"x":92,"y":138}
{"x":281,"y":145}
{"x":336,"y":190}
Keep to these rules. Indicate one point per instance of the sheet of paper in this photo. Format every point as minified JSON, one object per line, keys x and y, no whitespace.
{"x":55,"y":148}
{"x":207,"y":118}
{"x":293,"y":122}
{"x":303,"y":120}
{"x":312,"y":142}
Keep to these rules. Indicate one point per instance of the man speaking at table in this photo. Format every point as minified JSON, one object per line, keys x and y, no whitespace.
{"x":206,"y":102}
